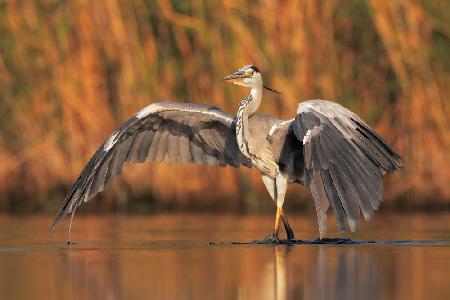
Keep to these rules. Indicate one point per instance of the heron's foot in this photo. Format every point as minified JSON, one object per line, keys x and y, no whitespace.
{"x":291,"y":239}
{"x":270,"y":239}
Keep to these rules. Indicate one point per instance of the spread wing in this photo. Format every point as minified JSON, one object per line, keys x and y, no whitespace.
{"x":344,"y":161}
{"x":165,"y":131}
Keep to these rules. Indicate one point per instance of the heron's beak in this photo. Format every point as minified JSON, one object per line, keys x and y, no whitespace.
{"x":236,"y":77}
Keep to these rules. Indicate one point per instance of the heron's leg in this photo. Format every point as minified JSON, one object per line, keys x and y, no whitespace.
{"x":280,"y":192}
{"x":277,"y":222}
{"x":270,"y":185}
{"x":287,"y":227}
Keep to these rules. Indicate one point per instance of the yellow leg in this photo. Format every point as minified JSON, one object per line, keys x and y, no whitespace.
{"x":277,"y":221}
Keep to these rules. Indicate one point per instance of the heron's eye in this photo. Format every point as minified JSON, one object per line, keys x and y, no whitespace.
{"x":249,"y":72}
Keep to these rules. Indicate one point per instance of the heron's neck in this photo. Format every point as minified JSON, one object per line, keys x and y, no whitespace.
{"x":256,"y":94}
{"x":247,"y":108}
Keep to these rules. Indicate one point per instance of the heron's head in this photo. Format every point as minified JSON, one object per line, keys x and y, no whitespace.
{"x":248,"y":76}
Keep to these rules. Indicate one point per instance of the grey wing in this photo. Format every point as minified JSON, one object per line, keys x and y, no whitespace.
{"x":165,"y":131}
{"x":344,"y":161}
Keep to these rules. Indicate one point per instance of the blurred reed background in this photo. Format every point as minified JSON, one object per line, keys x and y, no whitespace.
{"x":71,"y":71}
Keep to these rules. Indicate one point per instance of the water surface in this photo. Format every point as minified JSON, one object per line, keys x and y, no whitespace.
{"x":170,"y":257}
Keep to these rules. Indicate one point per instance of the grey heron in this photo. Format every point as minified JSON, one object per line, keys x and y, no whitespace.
{"x":325,"y":147}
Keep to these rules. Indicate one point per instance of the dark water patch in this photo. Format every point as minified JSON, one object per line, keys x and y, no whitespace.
{"x":21,"y":250}
{"x":337,"y":241}
{"x":13,"y":250}
{"x":80,"y":243}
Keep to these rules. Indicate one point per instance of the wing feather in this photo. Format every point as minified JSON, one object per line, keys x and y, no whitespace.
{"x":161,"y":150}
{"x":172,"y":147}
{"x":144,"y":150}
{"x":184,"y":150}
{"x":344,"y":161}
{"x":152,"y":153}
{"x":175,"y":132}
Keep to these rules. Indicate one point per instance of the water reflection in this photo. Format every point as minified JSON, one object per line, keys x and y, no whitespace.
{"x":339,"y":273}
{"x":275,"y":276}
{"x":343,"y":273}
{"x":279,"y":272}
{"x":88,"y":277}
{"x":171,"y":265}
{"x":242,"y":272}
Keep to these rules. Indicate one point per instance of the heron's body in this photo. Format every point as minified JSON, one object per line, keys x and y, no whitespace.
{"x":325,"y":147}
{"x":273,"y":148}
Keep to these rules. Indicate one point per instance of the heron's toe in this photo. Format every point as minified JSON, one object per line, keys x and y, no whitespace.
{"x":270,"y":239}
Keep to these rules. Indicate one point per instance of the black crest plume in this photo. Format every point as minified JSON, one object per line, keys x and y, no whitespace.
{"x":271,"y":89}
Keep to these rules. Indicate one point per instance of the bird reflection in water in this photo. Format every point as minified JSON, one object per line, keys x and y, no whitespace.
{"x":332,"y":273}
{"x":230,"y":272}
